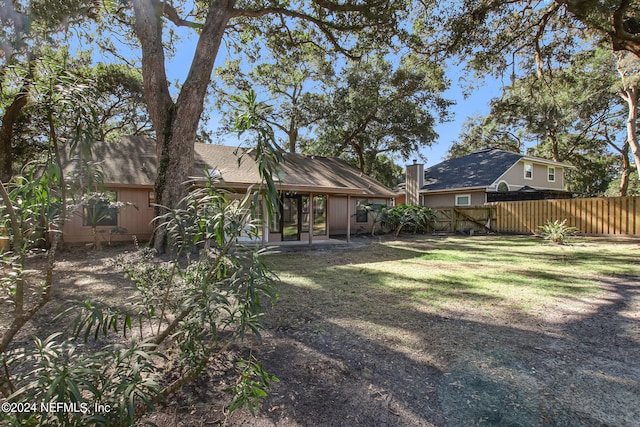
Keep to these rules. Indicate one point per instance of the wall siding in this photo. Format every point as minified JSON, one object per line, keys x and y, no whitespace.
{"x":478,"y":198}
{"x":137,"y":222}
{"x":515,"y":177}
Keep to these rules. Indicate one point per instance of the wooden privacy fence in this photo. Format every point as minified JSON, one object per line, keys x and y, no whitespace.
{"x":464,"y":219}
{"x":603,"y":215}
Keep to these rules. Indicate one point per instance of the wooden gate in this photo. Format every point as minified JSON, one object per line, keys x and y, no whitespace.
{"x":464,"y":219}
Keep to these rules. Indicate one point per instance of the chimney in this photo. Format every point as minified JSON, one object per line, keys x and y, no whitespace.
{"x":415,"y":181}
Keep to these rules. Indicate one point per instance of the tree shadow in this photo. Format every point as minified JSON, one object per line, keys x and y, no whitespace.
{"x":375,"y":358}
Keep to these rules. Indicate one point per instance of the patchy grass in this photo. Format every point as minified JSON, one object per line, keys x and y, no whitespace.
{"x":484,"y":273}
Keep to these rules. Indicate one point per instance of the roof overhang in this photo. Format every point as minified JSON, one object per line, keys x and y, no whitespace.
{"x":351,"y":191}
{"x":546,"y":162}
{"x":451,"y":190}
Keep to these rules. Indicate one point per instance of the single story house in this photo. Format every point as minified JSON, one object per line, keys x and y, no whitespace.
{"x":488,"y":175}
{"x":320,"y":196}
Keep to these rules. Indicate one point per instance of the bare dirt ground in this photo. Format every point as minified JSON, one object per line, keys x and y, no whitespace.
{"x":577,"y":363}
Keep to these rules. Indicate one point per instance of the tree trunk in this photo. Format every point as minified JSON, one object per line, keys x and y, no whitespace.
{"x":626,"y":169}
{"x":293,"y":134}
{"x":176,"y":124}
{"x":632,"y":128}
{"x":11,"y":116}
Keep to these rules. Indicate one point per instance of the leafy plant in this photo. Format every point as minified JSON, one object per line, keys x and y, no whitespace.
{"x":376,"y":212}
{"x":412,"y":216}
{"x":557,"y":232}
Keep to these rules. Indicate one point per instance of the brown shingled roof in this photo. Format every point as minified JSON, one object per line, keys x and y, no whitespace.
{"x":132,"y":161}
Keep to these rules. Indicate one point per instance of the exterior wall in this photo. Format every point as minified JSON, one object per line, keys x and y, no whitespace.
{"x":414,"y":181}
{"x":338,"y":215}
{"x":515,"y":177}
{"x":478,"y":198}
{"x":137,"y":222}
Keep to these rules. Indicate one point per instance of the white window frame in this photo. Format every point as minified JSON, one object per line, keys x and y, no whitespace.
{"x":549,"y":169}
{"x":458,"y":196}
{"x":505,"y":183}
{"x":525,"y":170}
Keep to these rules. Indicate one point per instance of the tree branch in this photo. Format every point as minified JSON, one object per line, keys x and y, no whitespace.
{"x":324,"y":26}
{"x":170,"y":12}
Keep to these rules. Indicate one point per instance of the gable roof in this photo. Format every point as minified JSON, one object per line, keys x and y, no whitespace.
{"x":132,"y":161}
{"x":476,"y":170}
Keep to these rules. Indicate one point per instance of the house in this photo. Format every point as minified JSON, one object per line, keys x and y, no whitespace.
{"x":321,"y":194}
{"x":488,"y":175}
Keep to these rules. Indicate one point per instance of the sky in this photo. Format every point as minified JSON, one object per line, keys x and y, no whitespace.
{"x":476,"y":103}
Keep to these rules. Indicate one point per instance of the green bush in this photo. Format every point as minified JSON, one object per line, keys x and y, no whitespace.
{"x":192,"y":307}
{"x":419,"y":218}
{"x":557,"y":232}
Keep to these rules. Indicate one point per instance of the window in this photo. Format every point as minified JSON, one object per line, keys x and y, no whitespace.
{"x":304,"y":226}
{"x":319,"y":215}
{"x":551,"y":174}
{"x":503,"y":187}
{"x":362,"y":215}
{"x":100,"y":210}
{"x":463,"y":200}
{"x":528,"y":171}
{"x":274,"y":227}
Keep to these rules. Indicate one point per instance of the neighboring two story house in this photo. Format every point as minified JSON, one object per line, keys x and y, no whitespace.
{"x":488,"y":175}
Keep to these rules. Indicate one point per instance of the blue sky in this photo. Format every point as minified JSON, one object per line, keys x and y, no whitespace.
{"x":476,"y":103}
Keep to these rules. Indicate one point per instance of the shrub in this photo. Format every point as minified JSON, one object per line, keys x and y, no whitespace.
{"x":402,"y":216}
{"x":557,"y":232}
{"x":193,"y":306}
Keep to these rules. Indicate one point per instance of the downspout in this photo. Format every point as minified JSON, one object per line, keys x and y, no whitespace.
{"x":348,"y":218}
{"x":310,"y":208}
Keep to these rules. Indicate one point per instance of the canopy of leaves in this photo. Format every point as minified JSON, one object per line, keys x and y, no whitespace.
{"x":375,"y":108}
{"x":64,"y":94}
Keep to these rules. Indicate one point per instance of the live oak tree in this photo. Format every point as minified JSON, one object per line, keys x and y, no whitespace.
{"x":569,"y":114}
{"x":375,"y":108}
{"x":286,"y":73}
{"x":36,"y":66}
{"x":479,"y":132}
{"x":505,"y":38}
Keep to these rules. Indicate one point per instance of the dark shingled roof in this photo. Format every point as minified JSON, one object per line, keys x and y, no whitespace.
{"x":479,"y":169}
{"x":132,"y":161}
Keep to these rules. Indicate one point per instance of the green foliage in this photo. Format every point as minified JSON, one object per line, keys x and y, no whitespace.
{"x":375,"y":212}
{"x":267,"y":155}
{"x":250,"y":387}
{"x":69,"y":101}
{"x":613,"y":190}
{"x":118,"y":378}
{"x":195,"y":305}
{"x":409,"y":216}
{"x":557,"y":231}
{"x":375,"y":107}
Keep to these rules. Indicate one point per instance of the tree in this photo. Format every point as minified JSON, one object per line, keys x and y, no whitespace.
{"x":628,"y":68}
{"x":566,"y":113}
{"x":375,"y":108}
{"x":289,"y":75}
{"x":176,"y":121}
{"x":483,"y":132}
{"x":509,"y":37}
{"x":29,"y":92}
{"x":493,"y":34}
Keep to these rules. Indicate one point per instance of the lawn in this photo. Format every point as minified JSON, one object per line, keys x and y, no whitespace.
{"x":455,"y":331}
{"x":422,"y":331}
{"x":498,"y":275}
